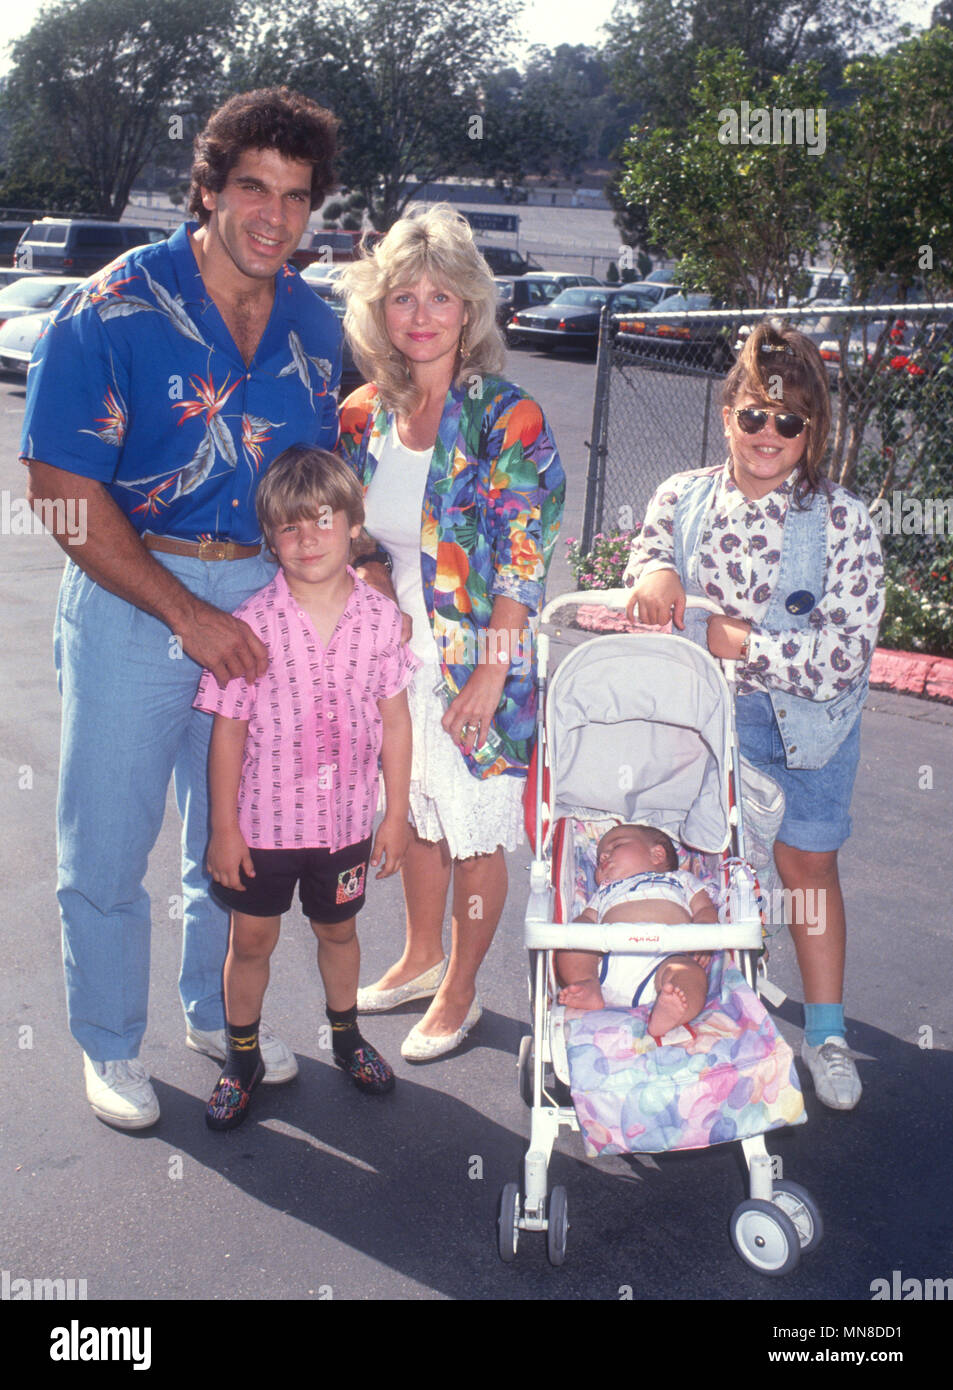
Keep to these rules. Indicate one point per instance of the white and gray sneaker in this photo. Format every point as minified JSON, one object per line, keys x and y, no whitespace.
{"x":835,"y":1076}
{"x":120,"y":1093}
{"x":280,"y":1062}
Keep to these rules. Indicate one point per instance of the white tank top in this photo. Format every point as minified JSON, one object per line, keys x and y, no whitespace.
{"x":393,"y":507}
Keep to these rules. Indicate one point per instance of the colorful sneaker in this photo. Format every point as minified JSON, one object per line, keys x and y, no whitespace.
{"x":228,"y":1104}
{"x":835,"y":1076}
{"x":367,"y":1069}
{"x":280,"y":1062}
{"x":120,"y":1093}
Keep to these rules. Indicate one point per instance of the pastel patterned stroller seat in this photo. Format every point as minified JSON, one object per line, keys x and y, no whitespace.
{"x":729,"y":1076}
{"x":733,"y":1079}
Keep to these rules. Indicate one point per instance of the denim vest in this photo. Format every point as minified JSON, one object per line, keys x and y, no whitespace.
{"x":812,"y":730}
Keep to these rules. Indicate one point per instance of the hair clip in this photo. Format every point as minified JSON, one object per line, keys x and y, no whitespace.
{"x":776,"y":347}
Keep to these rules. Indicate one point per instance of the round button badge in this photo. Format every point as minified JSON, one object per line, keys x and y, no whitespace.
{"x":801,"y":601}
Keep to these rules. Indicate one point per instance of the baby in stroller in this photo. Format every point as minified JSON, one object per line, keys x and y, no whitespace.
{"x":639,"y":880}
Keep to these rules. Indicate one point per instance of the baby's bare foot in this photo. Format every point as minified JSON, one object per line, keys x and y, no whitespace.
{"x":585,"y":996}
{"x":671,"y":1009}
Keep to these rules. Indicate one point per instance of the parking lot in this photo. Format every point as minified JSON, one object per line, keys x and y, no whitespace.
{"x":325,"y":1194}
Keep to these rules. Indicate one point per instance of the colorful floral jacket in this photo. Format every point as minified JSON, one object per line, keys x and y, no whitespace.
{"x":492,"y":508}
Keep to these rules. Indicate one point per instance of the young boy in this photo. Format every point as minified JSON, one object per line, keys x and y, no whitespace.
{"x":293,"y":766}
{"x":639,"y":881}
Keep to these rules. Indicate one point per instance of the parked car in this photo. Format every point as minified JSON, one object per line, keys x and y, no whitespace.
{"x":571,"y":319}
{"x":18,"y":338}
{"x":565,"y":279}
{"x":906,"y":339}
{"x":71,"y":246}
{"x":515,"y":292}
{"x":699,"y":342}
{"x":10,"y":234}
{"x":652,"y":290}
{"x":8,"y":275}
{"x":320,"y":273}
{"x":503,"y":260}
{"x":332,"y":246}
{"x":351,"y":378}
{"x":34,"y":293}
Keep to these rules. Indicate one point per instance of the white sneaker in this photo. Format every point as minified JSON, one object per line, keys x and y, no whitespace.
{"x":280,"y":1062}
{"x":835,"y":1076}
{"x":120,"y":1093}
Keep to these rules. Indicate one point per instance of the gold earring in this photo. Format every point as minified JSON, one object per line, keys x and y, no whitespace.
{"x":463,"y":349}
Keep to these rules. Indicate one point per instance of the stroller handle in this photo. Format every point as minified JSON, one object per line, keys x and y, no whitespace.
{"x":616,"y":598}
{"x":619,"y":598}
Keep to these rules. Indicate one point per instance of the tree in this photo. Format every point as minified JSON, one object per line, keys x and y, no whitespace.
{"x":742,"y":215}
{"x":654,"y":45}
{"x":888,"y":204}
{"x":97,"y":83}
{"x":403,"y":76}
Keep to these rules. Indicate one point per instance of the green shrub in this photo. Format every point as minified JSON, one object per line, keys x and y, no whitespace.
{"x":603,"y":567}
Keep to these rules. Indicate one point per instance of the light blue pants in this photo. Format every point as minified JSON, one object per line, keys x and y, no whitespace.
{"x":128,"y":727}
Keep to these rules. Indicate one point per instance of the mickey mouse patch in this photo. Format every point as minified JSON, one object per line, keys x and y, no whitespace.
{"x":350,"y":884}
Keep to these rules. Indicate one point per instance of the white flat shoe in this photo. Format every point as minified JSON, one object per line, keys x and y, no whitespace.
{"x":423,"y":1047}
{"x":425,"y":986}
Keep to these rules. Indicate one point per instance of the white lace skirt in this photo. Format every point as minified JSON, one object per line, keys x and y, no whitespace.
{"x":446,"y":802}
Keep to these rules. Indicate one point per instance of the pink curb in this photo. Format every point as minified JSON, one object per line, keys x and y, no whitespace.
{"x":909,"y":673}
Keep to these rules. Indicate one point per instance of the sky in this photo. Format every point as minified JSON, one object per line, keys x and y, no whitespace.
{"x":549,"y":22}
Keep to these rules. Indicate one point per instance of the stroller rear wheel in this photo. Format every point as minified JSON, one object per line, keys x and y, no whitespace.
{"x":557,"y":1226}
{"x":508,"y":1230}
{"x":797,"y":1203}
{"x":765,"y":1237}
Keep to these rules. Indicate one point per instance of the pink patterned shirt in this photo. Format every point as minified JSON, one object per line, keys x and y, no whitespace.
{"x":310,"y":766}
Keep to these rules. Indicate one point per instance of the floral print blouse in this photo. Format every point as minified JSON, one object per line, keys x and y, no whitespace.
{"x":492,"y":509}
{"x":737,"y":568}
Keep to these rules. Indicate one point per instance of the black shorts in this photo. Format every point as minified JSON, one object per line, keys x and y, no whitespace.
{"x":331,"y":883}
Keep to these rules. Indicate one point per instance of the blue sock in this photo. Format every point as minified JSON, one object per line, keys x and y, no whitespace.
{"x":823,"y":1021}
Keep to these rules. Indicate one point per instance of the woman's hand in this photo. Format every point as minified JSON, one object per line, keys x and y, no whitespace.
{"x":468,"y":717}
{"x":727,"y":637}
{"x":660,"y":598}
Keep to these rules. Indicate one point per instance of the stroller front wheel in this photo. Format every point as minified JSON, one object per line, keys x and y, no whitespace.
{"x":765,"y":1237}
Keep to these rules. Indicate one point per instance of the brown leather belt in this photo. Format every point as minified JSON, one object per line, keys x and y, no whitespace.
{"x":201,"y":550}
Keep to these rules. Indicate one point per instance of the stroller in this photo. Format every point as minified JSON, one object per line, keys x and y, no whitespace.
{"x":641,"y":729}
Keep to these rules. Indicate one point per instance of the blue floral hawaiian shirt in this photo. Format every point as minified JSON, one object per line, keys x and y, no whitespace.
{"x":138,"y":384}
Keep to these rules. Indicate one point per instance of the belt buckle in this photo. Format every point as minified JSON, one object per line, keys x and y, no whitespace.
{"x":213,"y":550}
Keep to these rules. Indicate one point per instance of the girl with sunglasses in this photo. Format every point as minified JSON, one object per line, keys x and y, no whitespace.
{"x":795,"y":563}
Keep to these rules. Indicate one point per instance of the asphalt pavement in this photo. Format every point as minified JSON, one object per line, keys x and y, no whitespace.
{"x":325,"y":1194}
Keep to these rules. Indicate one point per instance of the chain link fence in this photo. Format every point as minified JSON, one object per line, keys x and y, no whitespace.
{"x":658,"y":401}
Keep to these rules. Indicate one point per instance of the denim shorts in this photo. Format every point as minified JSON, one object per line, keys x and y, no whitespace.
{"x":330,"y":883}
{"x":816,"y":800}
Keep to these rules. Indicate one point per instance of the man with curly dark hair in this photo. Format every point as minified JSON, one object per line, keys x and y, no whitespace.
{"x":159,"y":396}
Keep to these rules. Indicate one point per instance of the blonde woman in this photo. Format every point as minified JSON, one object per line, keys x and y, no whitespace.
{"x":463,"y":496}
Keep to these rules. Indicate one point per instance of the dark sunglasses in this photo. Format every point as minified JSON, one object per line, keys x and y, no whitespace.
{"x":753,"y":421}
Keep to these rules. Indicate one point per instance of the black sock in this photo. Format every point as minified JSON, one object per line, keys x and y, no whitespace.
{"x":345,"y":1034}
{"x":243,"y":1054}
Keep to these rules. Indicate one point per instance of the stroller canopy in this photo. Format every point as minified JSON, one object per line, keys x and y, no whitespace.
{"x":638,"y":727}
